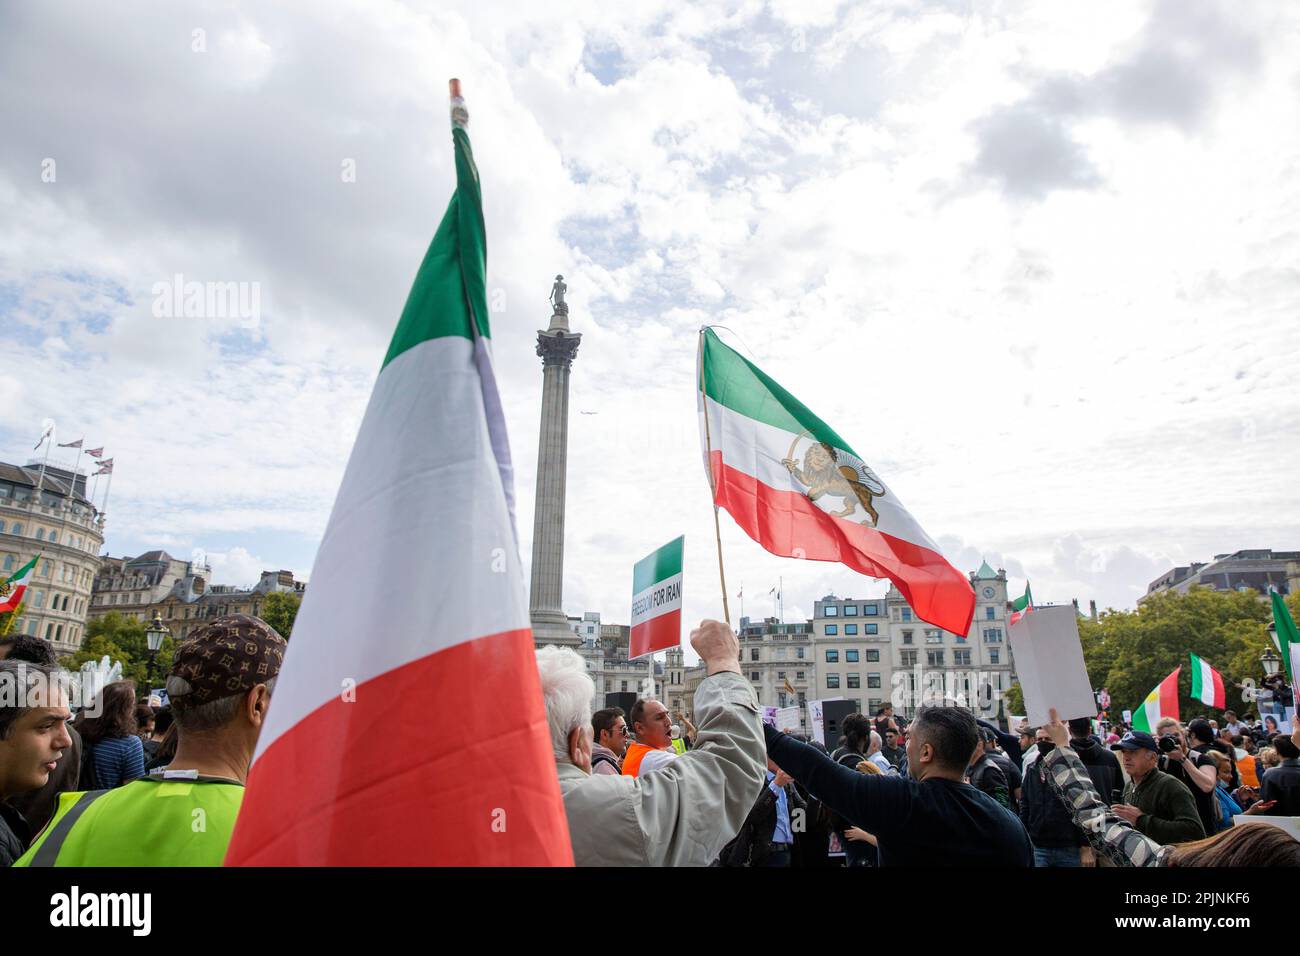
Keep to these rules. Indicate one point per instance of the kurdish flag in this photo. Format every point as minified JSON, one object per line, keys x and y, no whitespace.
{"x":1207,"y":684}
{"x":13,"y":589}
{"x":657,"y":600}
{"x":414,"y":633}
{"x":799,"y":490}
{"x":1022,"y":605}
{"x":1161,"y":702}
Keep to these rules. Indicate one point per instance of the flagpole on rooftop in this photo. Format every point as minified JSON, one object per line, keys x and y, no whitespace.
{"x":708,"y":444}
{"x":40,"y":482}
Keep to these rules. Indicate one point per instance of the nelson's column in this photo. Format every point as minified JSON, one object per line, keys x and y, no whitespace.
{"x":557,"y":346}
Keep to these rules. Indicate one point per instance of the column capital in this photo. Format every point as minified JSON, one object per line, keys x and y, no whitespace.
{"x":557,"y":347}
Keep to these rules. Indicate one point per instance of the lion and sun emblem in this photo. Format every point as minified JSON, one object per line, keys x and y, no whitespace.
{"x":828,"y":473}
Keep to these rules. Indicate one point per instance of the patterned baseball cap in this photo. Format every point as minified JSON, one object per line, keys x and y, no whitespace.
{"x":230,"y":656}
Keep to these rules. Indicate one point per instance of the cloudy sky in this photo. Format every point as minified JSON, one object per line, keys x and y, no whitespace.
{"x":1036,"y":262}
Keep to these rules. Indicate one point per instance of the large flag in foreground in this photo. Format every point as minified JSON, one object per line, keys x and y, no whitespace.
{"x":799,"y":490}
{"x":1207,"y":684}
{"x":407,"y":727}
{"x":1161,"y":702}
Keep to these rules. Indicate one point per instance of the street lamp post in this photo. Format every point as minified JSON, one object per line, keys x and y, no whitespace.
{"x":154,"y":634}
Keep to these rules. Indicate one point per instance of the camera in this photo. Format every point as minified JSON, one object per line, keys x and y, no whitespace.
{"x":1167,"y":743}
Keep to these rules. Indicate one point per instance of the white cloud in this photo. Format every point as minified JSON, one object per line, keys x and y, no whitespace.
{"x":1027,"y":365}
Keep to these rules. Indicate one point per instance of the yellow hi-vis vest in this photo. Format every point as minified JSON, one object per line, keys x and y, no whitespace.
{"x":153,"y":821}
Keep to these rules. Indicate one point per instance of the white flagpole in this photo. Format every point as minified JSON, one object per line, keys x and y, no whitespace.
{"x":107,"y":491}
{"x":40,"y":482}
{"x":81,"y":449}
{"x":780,"y":597}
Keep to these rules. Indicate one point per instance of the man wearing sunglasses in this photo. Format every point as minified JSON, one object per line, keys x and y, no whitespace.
{"x":611,"y":739}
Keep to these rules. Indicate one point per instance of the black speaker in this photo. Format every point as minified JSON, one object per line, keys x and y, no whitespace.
{"x":623,"y":699}
{"x":833,"y":714}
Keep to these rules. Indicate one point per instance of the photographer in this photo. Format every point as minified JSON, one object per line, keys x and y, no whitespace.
{"x":1194,"y":770}
{"x":1155,"y":804}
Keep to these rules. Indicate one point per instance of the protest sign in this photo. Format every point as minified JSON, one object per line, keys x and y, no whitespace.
{"x":1049,"y":662}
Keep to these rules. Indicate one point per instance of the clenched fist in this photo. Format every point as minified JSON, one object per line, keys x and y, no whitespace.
{"x":717,"y":646}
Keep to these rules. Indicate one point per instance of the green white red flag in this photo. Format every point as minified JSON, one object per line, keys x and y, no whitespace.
{"x":657,"y":600}
{"x":1207,"y":684}
{"x":1022,"y":605}
{"x":1161,"y":702}
{"x":1285,"y":629}
{"x":385,"y":744}
{"x":800,"y":490}
{"x":13,"y":588}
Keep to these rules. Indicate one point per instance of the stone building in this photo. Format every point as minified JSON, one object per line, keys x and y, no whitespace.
{"x":132,"y":586}
{"x":778,"y":660}
{"x":873,"y":650}
{"x":50,"y":517}
{"x":1253,"y":570}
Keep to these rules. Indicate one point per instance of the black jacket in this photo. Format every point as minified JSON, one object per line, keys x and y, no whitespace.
{"x":1043,"y":813}
{"x":935,"y":822}
{"x":1102,"y":766}
{"x":750,"y":844}
{"x":1282,"y":783}
{"x":15,"y":835}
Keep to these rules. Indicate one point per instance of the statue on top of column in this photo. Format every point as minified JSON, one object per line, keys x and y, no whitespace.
{"x":557,"y":296}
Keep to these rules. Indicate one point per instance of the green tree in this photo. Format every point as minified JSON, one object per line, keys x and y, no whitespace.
{"x":123,"y":639}
{"x":1130,"y":652}
{"x":1014,"y":700}
{"x":279,"y":610}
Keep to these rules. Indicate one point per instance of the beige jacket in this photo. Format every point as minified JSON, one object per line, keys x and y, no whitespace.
{"x":685,"y":813}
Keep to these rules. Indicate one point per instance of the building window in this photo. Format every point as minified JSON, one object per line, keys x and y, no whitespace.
{"x":798,"y":652}
{"x":851,"y":655}
{"x":780,"y":675}
{"x":832,"y":656}
{"x":798,"y":675}
{"x":992,"y":635}
{"x":873,"y":680}
{"x":850,"y":610}
{"x":907,"y":637}
{"x":9,"y":562}
{"x":934,"y":658}
{"x":623,"y":686}
{"x":832,"y":681}
{"x":753,"y":675}
{"x":993,"y":655}
{"x":832,"y":630}
{"x":961,"y":658}
{"x":871,"y":610}
{"x":40,"y":534}
{"x":873,"y":655}
{"x":989,"y":612}
{"x":907,"y":614}
{"x":872,"y":628}
{"x":850,"y":629}
{"x":830,"y":611}
{"x":933,"y":636}
{"x":855,"y":681}
{"x":18,"y":528}
{"x":753,"y":653}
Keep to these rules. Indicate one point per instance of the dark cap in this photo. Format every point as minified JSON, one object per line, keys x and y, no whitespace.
{"x":1136,"y":740}
{"x":230,"y":656}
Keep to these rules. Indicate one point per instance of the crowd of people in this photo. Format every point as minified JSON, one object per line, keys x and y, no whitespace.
{"x":125,"y":782}
{"x":945,"y":789}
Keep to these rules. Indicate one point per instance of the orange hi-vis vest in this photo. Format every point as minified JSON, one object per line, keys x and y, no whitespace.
{"x":632,"y":759}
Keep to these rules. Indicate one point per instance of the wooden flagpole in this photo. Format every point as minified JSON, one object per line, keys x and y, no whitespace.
{"x":713,"y":490}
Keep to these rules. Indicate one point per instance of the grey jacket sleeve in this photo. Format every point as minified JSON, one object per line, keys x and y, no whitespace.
{"x":689,"y":809}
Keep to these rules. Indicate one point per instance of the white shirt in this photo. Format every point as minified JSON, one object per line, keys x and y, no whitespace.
{"x":655,"y":760}
{"x":879,"y":760}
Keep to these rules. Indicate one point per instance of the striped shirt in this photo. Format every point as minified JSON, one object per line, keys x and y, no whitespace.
{"x":118,"y":760}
